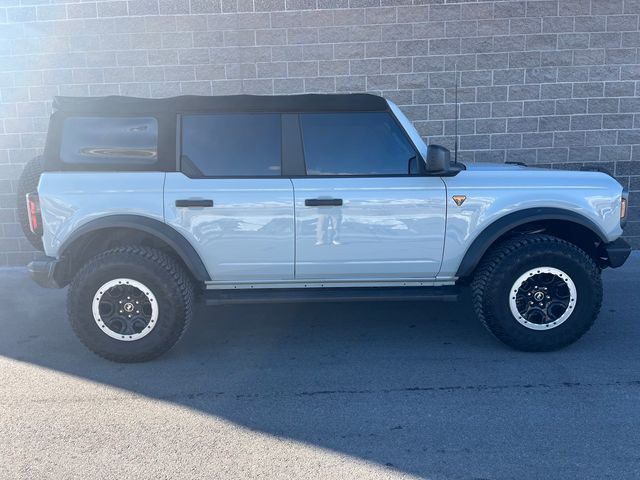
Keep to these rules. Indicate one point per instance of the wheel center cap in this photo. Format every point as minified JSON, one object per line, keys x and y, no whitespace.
{"x":128,"y":307}
{"x":538,"y":296}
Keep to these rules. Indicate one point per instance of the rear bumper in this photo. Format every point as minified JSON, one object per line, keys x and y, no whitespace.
{"x":616,"y":252}
{"x":47,"y":272}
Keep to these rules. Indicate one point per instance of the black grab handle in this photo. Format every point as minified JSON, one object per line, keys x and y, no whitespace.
{"x":194,"y":203}
{"x":323,"y":202}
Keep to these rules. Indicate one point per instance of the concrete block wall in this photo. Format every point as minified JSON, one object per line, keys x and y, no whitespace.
{"x":547,"y":82}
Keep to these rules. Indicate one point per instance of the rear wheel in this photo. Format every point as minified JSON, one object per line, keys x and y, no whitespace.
{"x":130,"y":304}
{"x":537,"y":292}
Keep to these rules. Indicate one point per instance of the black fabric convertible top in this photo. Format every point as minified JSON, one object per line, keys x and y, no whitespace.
{"x":231,"y":103}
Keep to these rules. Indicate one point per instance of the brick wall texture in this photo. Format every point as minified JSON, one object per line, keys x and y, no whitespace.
{"x":546,"y":82}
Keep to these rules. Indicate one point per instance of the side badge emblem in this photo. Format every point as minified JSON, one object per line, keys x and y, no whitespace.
{"x":459,"y":199}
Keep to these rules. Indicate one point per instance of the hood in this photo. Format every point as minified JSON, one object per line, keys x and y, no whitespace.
{"x":484,"y":167}
{"x":522,"y":176}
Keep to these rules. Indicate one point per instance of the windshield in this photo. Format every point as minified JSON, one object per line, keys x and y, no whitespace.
{"x":410,"y":129}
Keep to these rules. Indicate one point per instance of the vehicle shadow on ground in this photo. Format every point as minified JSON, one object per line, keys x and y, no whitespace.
{"x":383,"y":382}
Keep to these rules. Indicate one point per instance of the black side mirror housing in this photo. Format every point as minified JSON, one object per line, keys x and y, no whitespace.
{"x":438,"y":159}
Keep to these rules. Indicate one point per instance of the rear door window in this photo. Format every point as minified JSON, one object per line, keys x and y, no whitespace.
{"x":109,"y":141}
{"x":359,"y":143}
{"x":231,"y":145}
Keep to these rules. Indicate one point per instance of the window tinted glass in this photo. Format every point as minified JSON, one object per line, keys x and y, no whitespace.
{"x":355,"y":144}
{"x":110,"y":140}
{"x":231,"y":144}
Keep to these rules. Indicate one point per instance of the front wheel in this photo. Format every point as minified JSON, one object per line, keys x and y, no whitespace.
{"x":130,"y":304}
{"x":537,"y":292}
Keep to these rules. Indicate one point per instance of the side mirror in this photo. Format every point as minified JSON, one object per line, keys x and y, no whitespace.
{"x":438,"y":159}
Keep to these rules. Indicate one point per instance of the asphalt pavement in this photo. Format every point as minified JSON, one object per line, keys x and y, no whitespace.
{"x":320,"y":391}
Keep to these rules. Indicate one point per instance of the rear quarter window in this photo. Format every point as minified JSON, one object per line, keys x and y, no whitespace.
{"x":117,"y":141}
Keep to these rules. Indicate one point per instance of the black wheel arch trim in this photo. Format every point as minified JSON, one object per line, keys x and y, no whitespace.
{"x":157,"y":228}
{"x":504,"y":224}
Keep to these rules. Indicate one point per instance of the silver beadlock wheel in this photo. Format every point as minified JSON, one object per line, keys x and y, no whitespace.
{"x":125,"y":309}
{"x":543,"y":298}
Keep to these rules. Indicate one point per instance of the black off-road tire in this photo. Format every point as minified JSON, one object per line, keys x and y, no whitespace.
{"x":28,"y":183}
{"x":164,"y":276}
{"x":505,"y":263}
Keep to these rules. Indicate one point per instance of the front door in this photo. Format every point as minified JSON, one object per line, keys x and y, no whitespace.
{"x":363,"y":212}
{"x":369,"y":228}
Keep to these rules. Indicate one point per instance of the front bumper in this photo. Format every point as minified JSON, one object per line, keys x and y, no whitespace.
{"x":48,"y":272}
{"x":616,"y":252}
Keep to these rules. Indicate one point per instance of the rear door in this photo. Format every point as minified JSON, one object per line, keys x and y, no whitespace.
{"x":230,"y":200}
{"x":363,"y":212}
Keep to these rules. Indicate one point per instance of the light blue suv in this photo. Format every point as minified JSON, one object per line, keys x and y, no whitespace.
{"x":143,"y":204}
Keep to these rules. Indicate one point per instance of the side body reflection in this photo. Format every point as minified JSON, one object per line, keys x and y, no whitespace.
{"x":328,"y":226}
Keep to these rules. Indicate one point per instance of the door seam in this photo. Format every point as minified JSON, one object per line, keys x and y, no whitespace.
{"x":446,"y":223}
{"x":295,"y":225}
{"x":164,"y":213}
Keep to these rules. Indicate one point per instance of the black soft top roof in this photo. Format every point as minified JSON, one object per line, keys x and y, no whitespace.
{"x":230,"y":103}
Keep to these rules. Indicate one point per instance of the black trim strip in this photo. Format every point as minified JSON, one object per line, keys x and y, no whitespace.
{"x":325,"y":294}
{"x":292,"y":156}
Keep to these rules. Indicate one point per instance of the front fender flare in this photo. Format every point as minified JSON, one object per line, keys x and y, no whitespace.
{"x":499,"y":227}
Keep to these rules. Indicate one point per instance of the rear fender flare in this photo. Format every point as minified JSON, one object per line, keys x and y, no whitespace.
{"x":156,"y":228}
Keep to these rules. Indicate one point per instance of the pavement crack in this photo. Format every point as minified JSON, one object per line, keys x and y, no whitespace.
{"x":180,"y":397}
{"x":454,"y":388}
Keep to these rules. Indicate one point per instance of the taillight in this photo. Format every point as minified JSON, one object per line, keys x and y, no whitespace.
{"x":33,"y":209}
{"x":624,"y":205}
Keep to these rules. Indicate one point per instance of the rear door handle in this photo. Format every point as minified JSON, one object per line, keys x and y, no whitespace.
{"x":323,"y":202}
{"x":194,"y":203}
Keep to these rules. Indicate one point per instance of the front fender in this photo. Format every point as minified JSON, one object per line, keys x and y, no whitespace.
{"x":498,"y":200}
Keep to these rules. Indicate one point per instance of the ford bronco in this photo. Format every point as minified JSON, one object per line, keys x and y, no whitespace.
{"x":142,"y":205}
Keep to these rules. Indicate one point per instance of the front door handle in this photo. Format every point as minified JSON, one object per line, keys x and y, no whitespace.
{"x":323,"y":202}
{"x":194,"y":203}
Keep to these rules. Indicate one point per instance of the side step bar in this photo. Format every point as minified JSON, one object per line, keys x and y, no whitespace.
{"x":343,"y":294}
